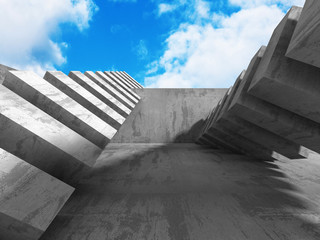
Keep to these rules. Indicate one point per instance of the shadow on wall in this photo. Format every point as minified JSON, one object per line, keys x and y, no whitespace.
{"x":191,"y":134}
{"x":186,"y":191}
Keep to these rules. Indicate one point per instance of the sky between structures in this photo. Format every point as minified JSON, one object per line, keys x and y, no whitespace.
{"x":181,"y":43}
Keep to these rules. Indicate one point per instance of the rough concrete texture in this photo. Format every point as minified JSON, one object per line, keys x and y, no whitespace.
{"x":285,"y":82}
{"x":41,"y":140}
{"x":108,"y":88}
{"x":51,"y":100}
{"x":3,"y":72}
{"x":29,"y":198}
{"x":304,"y":45}
{"x":185,"y":191}
{"x":96,"y":90}
{"x":168,"y":115}
{"x":85,"y":98}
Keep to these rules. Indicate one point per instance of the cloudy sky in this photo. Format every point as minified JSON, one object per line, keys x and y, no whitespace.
{"x":178,"y":43}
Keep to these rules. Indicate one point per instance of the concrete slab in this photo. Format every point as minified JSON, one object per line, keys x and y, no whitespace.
{"x":185,"y":191}
{"x":100,"y":93}
{"x":85,"y":98}
{"x":3,"y":71}
{"x":122,"y":85}
{"x":29,"y":198}
{"x":123,"y":80}
{"x":136,"y":85}
{"x":108,"y":88}
{"x":117,"y":87}
{"x":287,"y":83}
{"x":41,"y":140}
{"x":128,"y":75}
{"x":60,"y":106}
{"x":304,"y":44}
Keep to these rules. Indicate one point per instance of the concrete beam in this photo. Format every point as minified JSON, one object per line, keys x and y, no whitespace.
{"x":85,"y":98}
{"x":41,"y":140}
{"x":29,"y":198}
{"x":304,"y":44}
{"x":51,"y":100}
{"x":116,"y":86}
{"x":100,"y":93}
{"x":287,"y":83}
{"x":108,"y":88}
{"x":129,"y":79}
{"x":123,"y":80}
{"x":132,"y":78}
{"x":122,"y":85}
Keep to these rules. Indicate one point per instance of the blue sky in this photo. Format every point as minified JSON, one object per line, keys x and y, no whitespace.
{"x":182,"y":43}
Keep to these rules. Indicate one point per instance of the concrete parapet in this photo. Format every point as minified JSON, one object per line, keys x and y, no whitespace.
{"x":100,"y":93}
{"x":285,"y":82}
{"x":304,"y":44}
{"x":29,"y":198}
{"x":122,"y":85}
{"x":41,"y":140}
{"x":85,"y":98}
{"x":108,"y":88}
{"x":116,"y":86}
{"x":51,"y":100}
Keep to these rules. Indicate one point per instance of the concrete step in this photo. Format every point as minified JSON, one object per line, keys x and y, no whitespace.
{"x":123,"y":80}
{"x":57,"y":104}
{"x":135,"y":83}
{"x":100,"y":93}
{"x":108,"y":88}
{"x":131,"y":78}
{"x":39,"y":139}
{"x":85,"y":98}
{"x":29,"y":198}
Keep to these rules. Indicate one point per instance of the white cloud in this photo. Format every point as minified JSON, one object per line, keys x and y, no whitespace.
{"x":203,"y":55}
{"x":141,"y":50}
{"x":27,"y":28}
{"x":165,"y":8}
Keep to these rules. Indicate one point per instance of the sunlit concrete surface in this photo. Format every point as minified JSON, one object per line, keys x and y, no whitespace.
{"x":186,"y":191}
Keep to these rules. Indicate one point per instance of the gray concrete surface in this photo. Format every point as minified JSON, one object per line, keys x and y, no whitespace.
{"x":108,"y":88}
{"x":29,"y":198}
{"x":185,"y":191}
{"x":123,"y":80}
{"x":132,"y":78}
{"x":100,"y":93}
{"x":54,"y":102}
{"x":133,"y":83}
{"x":85,"y":98}
{"x":168,"y":115}
{"x":304,"y":45}
{"x":3,"y":72}
{"x":285,"y":82}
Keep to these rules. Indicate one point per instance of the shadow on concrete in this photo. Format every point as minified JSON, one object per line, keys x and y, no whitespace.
{"x":191,"y":135}
{"x":186,"y":191}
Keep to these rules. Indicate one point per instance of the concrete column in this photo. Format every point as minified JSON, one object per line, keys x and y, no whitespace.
{"x":304,"y":44}
{"x":108,"y":88}
{"x":122,"y":85}
{"x":287,"y":83}
{"x":100,"y":93}
{"x":85,"y":98}
{"x":29,"y":198}
{"x":60,"y":106}
{"x":116,"y":86}
{"x":130,"y":80}
{"x":123,"y":80}
{"x":41,"y":140}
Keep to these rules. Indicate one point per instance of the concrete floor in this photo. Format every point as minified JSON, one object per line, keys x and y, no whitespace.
{"x":185,"y":191}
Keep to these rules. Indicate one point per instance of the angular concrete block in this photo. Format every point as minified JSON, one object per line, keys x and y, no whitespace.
{"x":60,"y":106}
{"x":132,"y":78}
{"x":123,"y":80}
{"x":36,"y":137}
{"x":136,"y":85}
{"x":121,"y":85}
{"x":116,"y":86}
{"x":85,"y":98}
{"x":304,"y":45}
{"x":108,"y":88}
{"x":29,"y":198}
{"x":96,"y":90}
{"x":285,"y":82}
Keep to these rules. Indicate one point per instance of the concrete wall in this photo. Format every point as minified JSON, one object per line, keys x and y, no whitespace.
{"x":168,"y":115}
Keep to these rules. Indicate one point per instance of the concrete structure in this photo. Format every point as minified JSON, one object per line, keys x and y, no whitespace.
{"x":29,"y":198}
{"x":304,"y":45}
